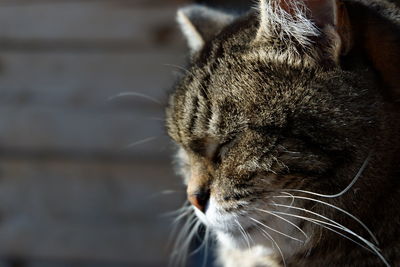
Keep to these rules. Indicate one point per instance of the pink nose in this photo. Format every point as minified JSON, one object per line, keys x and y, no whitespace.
{"x":199,"y":200}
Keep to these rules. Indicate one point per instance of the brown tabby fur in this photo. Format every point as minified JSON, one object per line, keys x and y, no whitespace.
{"x":292,"y":115}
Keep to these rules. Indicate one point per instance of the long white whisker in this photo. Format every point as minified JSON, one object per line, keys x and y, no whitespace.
{"x":189,"y":238}
{"x":182,"y":212}
{"x":135,"y":94}
{"x":285,"y":220}
{"x":202,"y":244}
{"x":339,"y":209}
{"x":169,"y":192}
{"x":359,"y":173}
{"x":140,"y":142}
{"x":178,"y":67}
{"x":156,"y":119}
{"x":289,"y":195}
{"x":206,"y":238}
{"x":163,"y":193}
{"x":338,"y":225}
{"x":188,"y":241}
{"x":267,"y":235}
{"x":323,"y":224}
{"x":181,"y":247}
{"x":245,"y":236}
{"x":184,"y":229}
{"x":274,"y":230}
{"x":183,"y":215}
{"x":371,"y":247}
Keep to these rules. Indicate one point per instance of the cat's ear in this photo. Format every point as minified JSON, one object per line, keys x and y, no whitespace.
{"x":200,"y":24}
{"x":306,"y":21}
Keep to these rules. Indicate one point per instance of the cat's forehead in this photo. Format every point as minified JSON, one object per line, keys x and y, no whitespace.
{"x":215,"y":107}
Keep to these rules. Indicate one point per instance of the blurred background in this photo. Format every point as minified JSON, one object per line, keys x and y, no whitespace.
{"x":85,"y":160}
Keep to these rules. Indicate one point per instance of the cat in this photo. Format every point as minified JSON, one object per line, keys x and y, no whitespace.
{"x":287,"y":124}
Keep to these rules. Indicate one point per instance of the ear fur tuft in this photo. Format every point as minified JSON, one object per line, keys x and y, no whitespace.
{"x":200,"y":24}
{"x":288,"y":20}
{"x":318,"y":27}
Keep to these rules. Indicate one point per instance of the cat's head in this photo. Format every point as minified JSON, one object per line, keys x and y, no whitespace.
{"x":265,"y":108}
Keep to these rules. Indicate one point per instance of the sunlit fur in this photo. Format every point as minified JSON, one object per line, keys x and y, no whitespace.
{"x":300,"y":154}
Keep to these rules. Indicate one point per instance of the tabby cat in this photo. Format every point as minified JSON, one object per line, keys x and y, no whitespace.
{"x":288,"y":131}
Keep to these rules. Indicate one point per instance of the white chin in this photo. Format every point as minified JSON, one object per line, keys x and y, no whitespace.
{"x":231,"y":240}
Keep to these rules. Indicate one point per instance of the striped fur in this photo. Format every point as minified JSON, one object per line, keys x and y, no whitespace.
{"x":269,"y":105}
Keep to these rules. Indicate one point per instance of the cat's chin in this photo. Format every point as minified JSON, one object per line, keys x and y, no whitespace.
{"x":232,"y":240}
{"x":236,"y":241}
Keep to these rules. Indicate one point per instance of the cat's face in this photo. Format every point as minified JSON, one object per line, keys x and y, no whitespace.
{"x":255,"y":117}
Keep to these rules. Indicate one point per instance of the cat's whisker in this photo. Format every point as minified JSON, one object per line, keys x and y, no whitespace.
{"x":164,"y":193}
{"x":204,"y":239}
{"x":179,"y":212}
{"x":196,"y":233}
{"x":292,"y":196}
{"x":370,"y":247}
{"x":268,"y":236}
{"x":180,"y":249}
{"x":189,"y":238}
{"x":333,"y":223}
{"x":170,"y":192}
{"x":205,"y":257}
{"x":323,"y":225}
{"x":135,"y":94}
{"x":140,"y":142}
{"x":355,"y":179}
{"x":181,"y":216}
{"x":276,"y":231}
{"x":177,"y":255}
{"x":245,"y":235}
{"x":285,"y":220}
{"x":156,"y":119}
{"x":184,"y":207}
{"x":179,"y":68}
{"x":204,"y":243}
{"x":337,"y":208}
{"x":183,"y":228}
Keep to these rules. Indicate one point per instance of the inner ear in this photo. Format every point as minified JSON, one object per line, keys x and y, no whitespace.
{"x":378,"y":39}
{"x":319,"y":24}
{"x":321,"y":11}
{"x":200,"y":24}
{"x":331,"y":15}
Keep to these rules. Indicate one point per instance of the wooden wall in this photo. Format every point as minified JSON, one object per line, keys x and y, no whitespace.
{"x":72,"y":190}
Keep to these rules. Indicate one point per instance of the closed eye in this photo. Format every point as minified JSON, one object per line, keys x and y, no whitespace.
{"x":211,"y":148}
{"x":222,"y":150}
